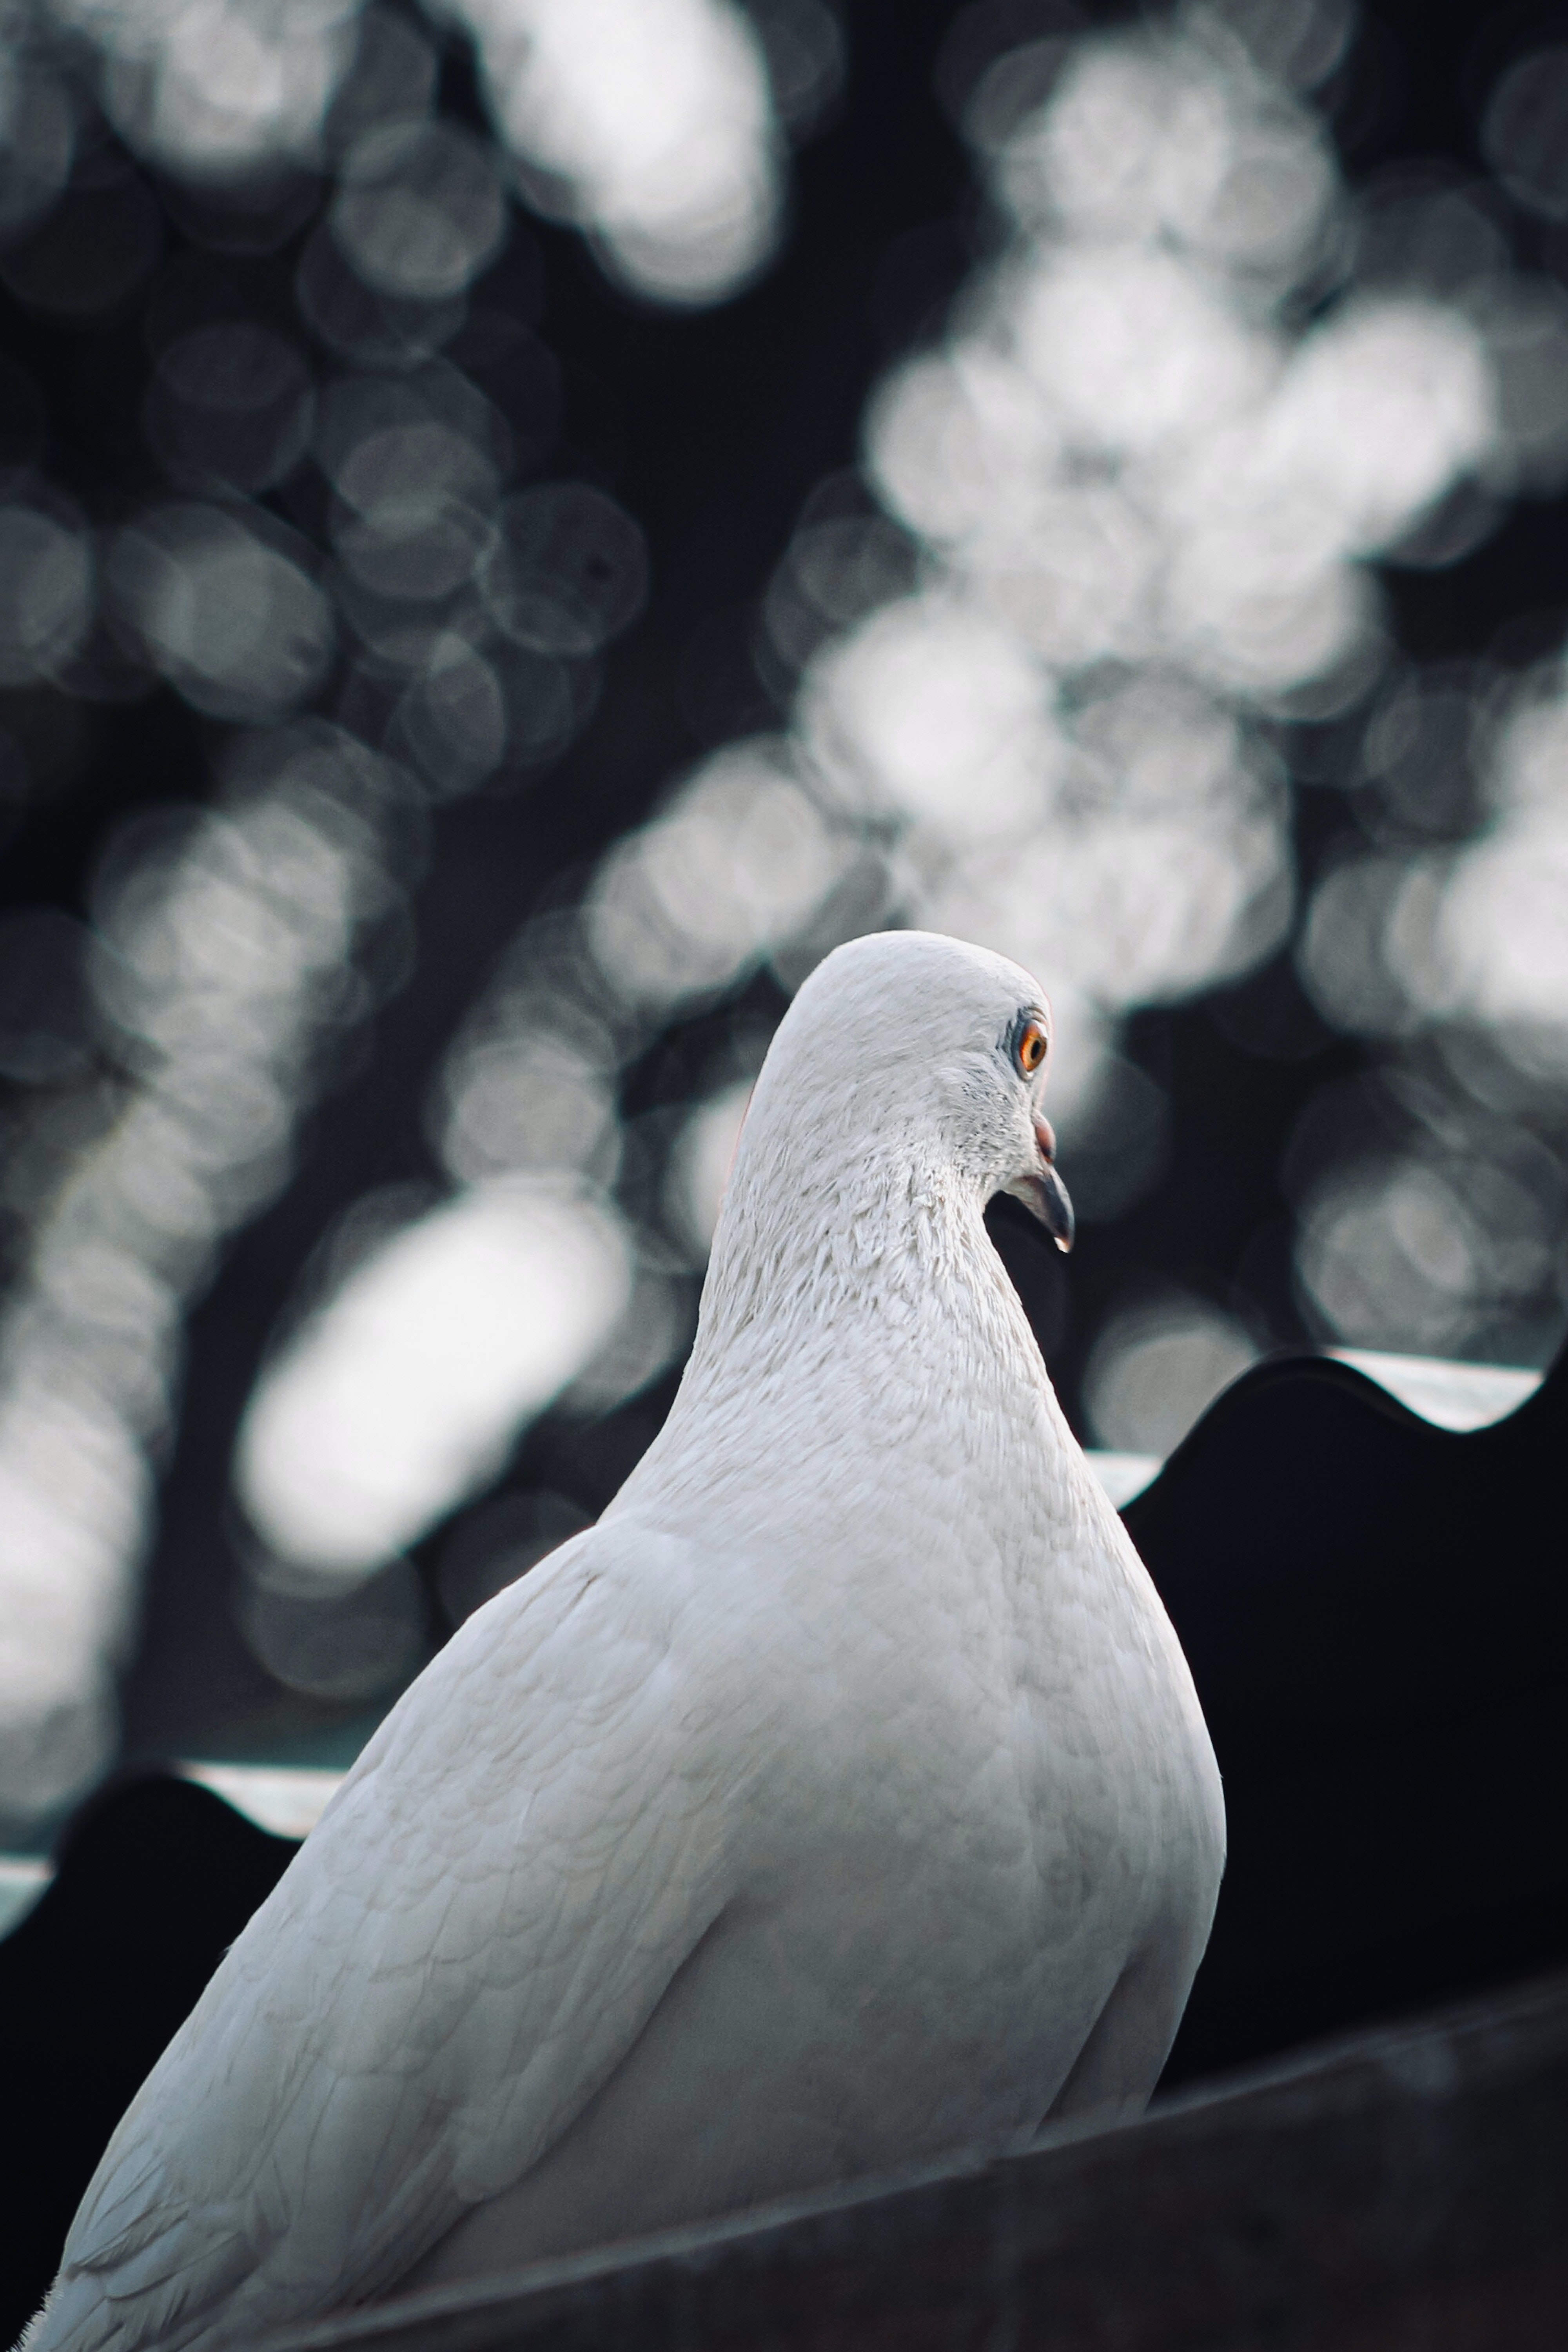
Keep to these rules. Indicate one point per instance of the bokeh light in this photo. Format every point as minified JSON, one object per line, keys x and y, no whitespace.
{"x":330,"y":558}
{"x":228,"y":611}
{"x":1090,"y":655}
{"x":400,"y":1397}
{"x":648,"y":122}
{"x":1155,"y":1366}
{"x":231,"y":405}
{"x":419,"y":211}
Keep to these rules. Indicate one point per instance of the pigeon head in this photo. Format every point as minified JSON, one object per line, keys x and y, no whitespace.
{"x":906,"y":1047}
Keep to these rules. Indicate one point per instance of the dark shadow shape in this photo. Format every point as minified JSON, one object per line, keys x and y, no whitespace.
{"x":156,"y":1878}
{"x":1376,"y":1614}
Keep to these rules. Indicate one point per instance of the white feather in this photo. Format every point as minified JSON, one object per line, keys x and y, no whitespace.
{"x":840,"y":1798}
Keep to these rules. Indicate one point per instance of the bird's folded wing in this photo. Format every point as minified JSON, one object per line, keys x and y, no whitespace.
{"x":468,"y":1944}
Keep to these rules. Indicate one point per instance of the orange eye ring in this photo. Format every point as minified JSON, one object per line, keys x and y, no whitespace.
{"x":1034,"y":1044}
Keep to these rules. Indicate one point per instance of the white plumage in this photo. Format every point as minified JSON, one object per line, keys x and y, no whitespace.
{"x":840,"y":1798}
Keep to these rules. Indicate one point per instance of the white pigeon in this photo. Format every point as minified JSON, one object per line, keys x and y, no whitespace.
{"x":841,"y":1798}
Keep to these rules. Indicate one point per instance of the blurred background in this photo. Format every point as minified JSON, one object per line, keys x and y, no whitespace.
{"x":524,"y":522}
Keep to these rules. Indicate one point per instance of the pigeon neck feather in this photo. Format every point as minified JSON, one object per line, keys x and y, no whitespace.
{"x":854,"y":1296}
{"x":839,"y":1218}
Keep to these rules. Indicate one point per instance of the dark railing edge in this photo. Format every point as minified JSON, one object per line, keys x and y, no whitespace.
{"x":1432,"y":2055}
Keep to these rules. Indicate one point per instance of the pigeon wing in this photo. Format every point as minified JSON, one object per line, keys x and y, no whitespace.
{"x":467,"y":1945}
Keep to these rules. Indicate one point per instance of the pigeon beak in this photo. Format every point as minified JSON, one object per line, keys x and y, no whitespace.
{"x":1041,"y":1189}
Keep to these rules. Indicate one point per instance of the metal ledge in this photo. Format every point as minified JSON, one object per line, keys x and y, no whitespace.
{"x":1407,"y":2187}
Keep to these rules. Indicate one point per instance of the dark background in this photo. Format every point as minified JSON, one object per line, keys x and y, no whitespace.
{"x":712,"y":429}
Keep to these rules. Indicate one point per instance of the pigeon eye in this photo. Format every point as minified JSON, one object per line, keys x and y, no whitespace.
{"x":1032,"y":1047}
